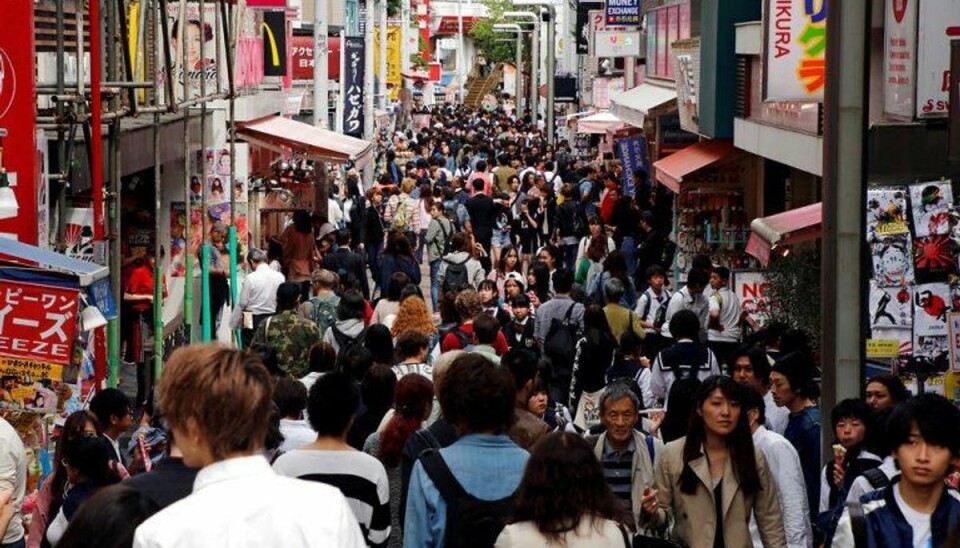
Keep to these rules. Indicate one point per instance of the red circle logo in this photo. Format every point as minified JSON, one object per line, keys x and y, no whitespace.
{"x":8,"y":83}
{"x":899,"y":10}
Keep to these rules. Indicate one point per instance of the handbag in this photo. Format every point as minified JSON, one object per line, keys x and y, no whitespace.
{"x":588,"y":410}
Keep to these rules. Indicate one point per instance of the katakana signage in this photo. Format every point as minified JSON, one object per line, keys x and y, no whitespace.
{"x":796,"y":46}
{"x":353,"y":75}
{"x":37,"y":322}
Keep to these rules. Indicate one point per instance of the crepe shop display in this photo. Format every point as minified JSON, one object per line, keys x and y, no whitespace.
{"x":930,"y":205}
{"x":930,"y":307}
{"x":934,"y":259}
{"x":890,"y":306}
{"x":892,"y":261}
{"x":886,"y":213}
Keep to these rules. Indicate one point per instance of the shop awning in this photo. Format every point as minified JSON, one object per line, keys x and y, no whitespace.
{"x":415,"y":75}
{"x":283,"y":134}
{"x":782,"y":229}
{"x":599,"y":123}
{"x":634,"y":105}
{"x":26,"y":255}
{"x":671,"y":170}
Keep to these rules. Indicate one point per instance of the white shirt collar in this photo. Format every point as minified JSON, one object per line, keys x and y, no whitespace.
{"x":231,"y":469}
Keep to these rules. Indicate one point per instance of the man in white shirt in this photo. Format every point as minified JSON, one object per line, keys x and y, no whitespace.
{"x":290,"y":397}
{"x":690,"y":298}
{"x":217,"y":403}
{"x":787,"y":475}
{"x":258,"y":295}
{"x":723,"y":334}
{"x":749,"y":365}
{"x":13,"y":480}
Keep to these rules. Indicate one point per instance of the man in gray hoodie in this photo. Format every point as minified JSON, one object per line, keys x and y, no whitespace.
{"x":459,"y":257}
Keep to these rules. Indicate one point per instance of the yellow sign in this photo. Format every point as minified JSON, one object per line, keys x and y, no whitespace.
{"x":393,"y":57}
{"x":32,"y":369}
{"x":883,"y":348}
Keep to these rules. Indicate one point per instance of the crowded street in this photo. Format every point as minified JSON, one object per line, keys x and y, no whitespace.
{"x":479,"y":273}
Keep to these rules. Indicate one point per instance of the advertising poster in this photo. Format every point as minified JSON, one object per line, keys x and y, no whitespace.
{"x":934,"y":259}
{"x":201,"y":46}
{"x":78,"y":233}
{"x":886,"y":213}
{"x":930,"y":308}
{"x":892,"y":259}
{"x":938,"y":24}
{"x":633,"y":157}
{"x":890,"y":307}
{"x":353,"y":85}
{"x":930,"y":205}
{"x":796,"y":45}
{"x":751,"y":288}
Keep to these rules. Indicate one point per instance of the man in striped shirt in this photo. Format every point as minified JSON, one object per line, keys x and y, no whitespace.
{"x":411,"y":350}
{"x":331,"y":460}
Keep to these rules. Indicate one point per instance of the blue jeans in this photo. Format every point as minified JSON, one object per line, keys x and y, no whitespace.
{"x":434,"y":284}
{"x":570,"y":256}
{"x":421,"y":247}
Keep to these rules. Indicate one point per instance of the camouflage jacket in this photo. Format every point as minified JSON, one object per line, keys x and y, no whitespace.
{"x":290,"y":336}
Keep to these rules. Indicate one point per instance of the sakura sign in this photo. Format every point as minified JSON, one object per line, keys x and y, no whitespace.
{"x":37,"y":322}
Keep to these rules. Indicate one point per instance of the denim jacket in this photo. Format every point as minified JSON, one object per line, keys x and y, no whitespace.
{"x":488,"y":467}
{"x":803,"y":432}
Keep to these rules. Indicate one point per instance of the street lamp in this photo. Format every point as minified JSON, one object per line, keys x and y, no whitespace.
{"x":549,"y":17}
{"x":534,"y":61}
{"x":512,"y":27}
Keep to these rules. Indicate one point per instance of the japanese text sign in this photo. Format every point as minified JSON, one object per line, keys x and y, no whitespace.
{"x":796,"y":45}
{"x":900,"y":57}
{"x":353,"y":75}
{"x":939,"y":24}
{"x":634,"y":159}
{"x":623,"y":12}
{"x":37,"y":322}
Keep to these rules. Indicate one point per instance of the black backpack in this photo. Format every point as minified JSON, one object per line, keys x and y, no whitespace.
{"x":471,"y":522}
{"x":465,"y":340}
{"x":560,"y":344}
{"x":456,"y":278}
{"x":346,"y":343}
{"x":671,"y":360}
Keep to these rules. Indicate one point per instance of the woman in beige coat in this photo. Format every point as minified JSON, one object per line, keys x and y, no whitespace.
{"x":710,"y":482}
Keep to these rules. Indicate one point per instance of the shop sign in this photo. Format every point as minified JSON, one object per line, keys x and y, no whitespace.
{"x":687,"y":70}
{"x":883,"y":348}
{"x":15,"y":367}
{"x":671,"y":137}
{"x":274,"y":43}
{"x":752,"y":289}
{"x":393,"y":54}
{"x":623,"y":12}
{"x":583,"y":23}
{"x":266,"y":3}
{"x":939,"y":24}
{"x":796,"y":45}
{"x":900,"y":57}
{"x":633,"y":158}
{"x":37,"y":322}
{"x":18,"y":115}
{"x":353,"y":85}
{"x":565,"y":89}
{"x":301,"y":53}
{"x":612,"y":43}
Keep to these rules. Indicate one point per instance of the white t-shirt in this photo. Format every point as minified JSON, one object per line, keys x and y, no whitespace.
{"x":727,"y":304}
{"x":919,"y":522}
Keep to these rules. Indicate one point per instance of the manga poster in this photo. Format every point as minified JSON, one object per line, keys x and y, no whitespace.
{"x":930,"y":206}
{"x":934,"y":259}
{"x":892,"y":261}
{"x":930,"y":308}
{"x":78,"y":232}
{"x":890,"y":307}
{"x":886,"y":213}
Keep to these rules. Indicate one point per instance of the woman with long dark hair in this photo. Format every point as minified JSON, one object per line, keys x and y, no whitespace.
{"x":424,"y":203}
{"x":412,"y":403}
{"x":398,"y":257}
{"x":594,"y":354}
{"x":538,"y":282}
{"x":715,"y":475}
{"x":564,"y":500}
{"x":509,"y":262}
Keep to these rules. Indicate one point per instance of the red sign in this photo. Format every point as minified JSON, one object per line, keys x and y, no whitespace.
{"x":18,"y":115}
{"x":899,"y":10}
{"x":423,"y":23}
{"x":435,"y":71}
{"x":451,"y":25}
{"x":37,"y":322}
{"x":302,"y":56}
{"x":266,"y":3}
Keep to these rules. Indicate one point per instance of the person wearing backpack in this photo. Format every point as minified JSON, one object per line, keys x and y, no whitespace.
{"x":258,"y":295}
{"x":685,"y":359}
{"x":438,"y":242}
{"x":348,"y":331}
{"x":402,"y":213}
{"x":344,"y":261}
{"x":557,"y":327}
{"x":458,"y":269}
{"x":464,"y":494}
{"x":287,"y":334}
{"x":322,"y":307}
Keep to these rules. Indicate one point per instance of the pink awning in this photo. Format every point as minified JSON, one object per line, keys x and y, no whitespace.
{"x":671,"y":170}
{"x":599,"y":123}
{"x":286,"y":135}
{"x":783,"y":229}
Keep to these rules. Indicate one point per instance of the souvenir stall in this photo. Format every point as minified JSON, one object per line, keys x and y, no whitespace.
{"x":597,"y":129}
{"x":49,"y":304}
{"x":913,"y":235}
{"x":714,"y":205}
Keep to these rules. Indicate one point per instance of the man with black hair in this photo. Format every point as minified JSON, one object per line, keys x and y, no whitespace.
{"x":877,"y":443}
{"x":917,"y":509}
{"x":486,"y":330}
{"x":558,"y":325}
{"x":685,"y":359}
{"x":652,"y":310}
{"x":331,"y":460}
{"x":724,"y":316}
{"x":528,"y":429}
{"x":786,"y":471}
{"x":114,"y":412}
{"x":690,"y":298}
{"x":288,"y":334}
{"x":344,"y":261}
{"x":479,"y":400}
{"x":481,"y":209}
{"x":290,"y":397}
{"x":750,"y":365}
{"x":411,"y":349}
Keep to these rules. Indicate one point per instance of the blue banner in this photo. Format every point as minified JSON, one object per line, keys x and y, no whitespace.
{"x":633,"y":158}
{"x":101,"y":296}
{"x":353,"y":75}
{"x":622,"y":13}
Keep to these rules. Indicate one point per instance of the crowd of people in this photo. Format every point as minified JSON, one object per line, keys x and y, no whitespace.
{"x":546,"y":387}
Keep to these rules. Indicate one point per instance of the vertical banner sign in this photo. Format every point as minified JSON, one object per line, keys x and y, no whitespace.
{"x":939,"y":24}
{"x":18,"y":115}
{"x":623,"y":13}
{"x":796,"y":45}
{"x":583,"y":25}
{"x":37,"y":322}
{"x":274,"y":43}
{"x":900,"y":57}
{"x":423,"y":24}
{"x":353,"y":75}
{"x":634,"y":159}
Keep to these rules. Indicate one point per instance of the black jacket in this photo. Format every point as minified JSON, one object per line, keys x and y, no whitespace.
{"x":345,"y":261}
{"x":373,"y":235}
